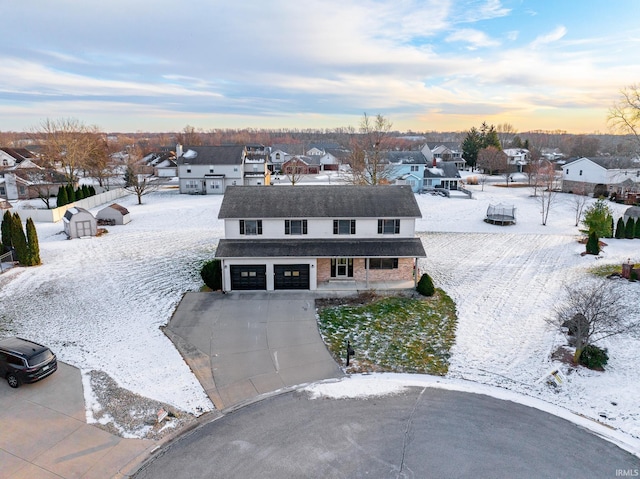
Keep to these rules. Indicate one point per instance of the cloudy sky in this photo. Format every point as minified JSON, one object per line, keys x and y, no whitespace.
{"x":142,"y":65}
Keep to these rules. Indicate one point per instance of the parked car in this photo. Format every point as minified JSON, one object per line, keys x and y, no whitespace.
{"x":23,"y":361}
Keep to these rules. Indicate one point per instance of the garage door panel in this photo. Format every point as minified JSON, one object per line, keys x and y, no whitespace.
{"x":291,"y":276}
{"x":249,"y":277}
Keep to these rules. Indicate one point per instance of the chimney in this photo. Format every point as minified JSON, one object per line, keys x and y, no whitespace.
{"x":178,"y":151}
{"x":435,"y":162}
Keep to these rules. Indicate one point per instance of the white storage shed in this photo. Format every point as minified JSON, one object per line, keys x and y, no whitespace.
{"x":79,"y":223}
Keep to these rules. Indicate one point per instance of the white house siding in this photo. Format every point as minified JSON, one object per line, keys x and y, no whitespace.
{"x":208,"y":179}
{"x":319,"y":228}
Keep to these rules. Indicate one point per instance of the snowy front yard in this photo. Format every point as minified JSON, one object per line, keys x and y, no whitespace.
{"x":99,"y":303}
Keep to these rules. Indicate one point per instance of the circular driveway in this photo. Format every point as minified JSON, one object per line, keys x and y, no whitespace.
{"x":420,"y":432}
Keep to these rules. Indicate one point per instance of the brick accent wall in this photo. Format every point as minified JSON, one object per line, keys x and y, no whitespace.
{"x":403,"y":273}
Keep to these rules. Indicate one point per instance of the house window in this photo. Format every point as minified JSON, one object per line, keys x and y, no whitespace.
{"x":389,"y":227}
{"x":580,"y":174}
{"x":211,"y":169}
{"x":190,"y":184}
{"x":415,"y":168}
{"x":295,"y":227}
{"x":235,"y":169}
{"x":383,"y":263}
{"x":567,"y":171}
{"x":188,"y":170}
{"x":344,"y":227}
{"x":250,"y":227}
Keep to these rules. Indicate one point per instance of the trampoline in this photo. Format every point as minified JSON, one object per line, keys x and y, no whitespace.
{"x":501,"y":214}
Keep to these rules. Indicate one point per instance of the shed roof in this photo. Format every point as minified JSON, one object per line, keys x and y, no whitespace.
{"x":121,"y":209}
{"x":319,"y":201}
{"x":632,"y":212}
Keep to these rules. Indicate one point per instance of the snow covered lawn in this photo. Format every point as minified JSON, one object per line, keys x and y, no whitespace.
{"x":99,"y":303}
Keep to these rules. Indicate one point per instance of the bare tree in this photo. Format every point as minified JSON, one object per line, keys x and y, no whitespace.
{"x":545,"y":183}
{"x":624,"y":115}
{"x":493,"y":160}
{"x":98,"y":164}
{"x":592,"y":311}
{"x":68,"y":143}
{"x":506,"y":134}
{"x":579,"y":200}
{"x":189,"y":137}
{"x":137,"y":178}
{"x":369,"y":147}
{"x":294,"y":170}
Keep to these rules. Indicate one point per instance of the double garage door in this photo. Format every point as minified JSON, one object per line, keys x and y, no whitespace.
{"x":254,"y":277}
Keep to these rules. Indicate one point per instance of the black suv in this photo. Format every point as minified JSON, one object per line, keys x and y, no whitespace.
{"x":23,"y":361}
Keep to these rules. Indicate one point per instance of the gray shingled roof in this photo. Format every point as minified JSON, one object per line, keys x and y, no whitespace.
{"x":320,"y":201}
{"x":407,"y":157}
{"x":448,"y":169}
{"x":322,"y":248}
{"x":212,"y":155}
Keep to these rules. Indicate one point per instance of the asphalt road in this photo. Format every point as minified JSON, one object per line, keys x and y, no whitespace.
{"x":420,"y":433}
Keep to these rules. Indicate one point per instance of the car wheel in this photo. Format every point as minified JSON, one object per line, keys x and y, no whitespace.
{"x":12,"y":379}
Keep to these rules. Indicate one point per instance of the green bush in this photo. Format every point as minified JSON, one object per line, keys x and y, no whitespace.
{"x":63,"y":199}
{"x":32,"y":244}
{"x":593,"y":244}
{"x":636,"y":233}
{"x":594,"y":357}
{"x":425,"y":286}
{"x":211,"y":273}
{"x":596,"y":218}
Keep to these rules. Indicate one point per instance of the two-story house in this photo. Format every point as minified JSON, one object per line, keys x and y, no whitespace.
{"x":407,"y":168}
{"x":320,"y":236}
{"x":211,"y":169}
{"x":601,"y":176}
{"x":518,"y":158}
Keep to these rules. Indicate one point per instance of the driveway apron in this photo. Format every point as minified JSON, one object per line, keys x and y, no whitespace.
{"x":244,"y":344}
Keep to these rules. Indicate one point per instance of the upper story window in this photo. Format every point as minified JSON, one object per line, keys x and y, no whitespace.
{"x":344,"y":227}
{"x":188,"y":170}
{"x":295,"y":227}
{"x":250,"y":227}
{"x":415,"y":168}
{"x":389,"y":227}
{"x":580,"y":173}
{"x":567,"y":171}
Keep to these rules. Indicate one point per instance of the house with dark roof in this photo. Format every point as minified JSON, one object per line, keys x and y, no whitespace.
{"x":443,"y":175}
{"x":209,"y":170}
{"x":14,"y":156}
{"x":407,"y":168}
{"x":601,"y":176}
{"x":319,"y":237}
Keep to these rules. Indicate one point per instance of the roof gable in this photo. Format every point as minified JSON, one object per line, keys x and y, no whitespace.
{"x":319,"y":201}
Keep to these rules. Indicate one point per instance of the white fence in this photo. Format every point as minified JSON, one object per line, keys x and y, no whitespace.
{"x":55,"y":214}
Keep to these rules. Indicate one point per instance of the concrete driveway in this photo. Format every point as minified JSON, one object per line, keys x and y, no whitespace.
{"x":244,"y":344}
{"x":44,"y":434}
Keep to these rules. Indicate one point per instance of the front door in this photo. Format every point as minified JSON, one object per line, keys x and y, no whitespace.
{"x":342,"y":268}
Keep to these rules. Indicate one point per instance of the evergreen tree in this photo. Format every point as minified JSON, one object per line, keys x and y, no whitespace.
{"x":471,"y":145}
{"x":85,"y":191}
{"x":32,"y":244}
{"x":611,"y":225}
{"x":63,"y":199}
{"x":596,"y":219}
{"x":593,"y":244}
{"x":7,"y":221}
{"x":490,"y":136}
{"x":19,"y":240}
{"x":79,"y":194}
{"x":629,"y":228}
{"x":620,"y":228}
{"x":92,"y":190}
{"x":71,"y":194}
{"x":636,"y":233}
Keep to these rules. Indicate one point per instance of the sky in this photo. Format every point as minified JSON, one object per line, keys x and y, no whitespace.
{"x":426,"y":65}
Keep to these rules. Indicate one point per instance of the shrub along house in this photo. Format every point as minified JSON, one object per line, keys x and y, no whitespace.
{"x":319,"y":237}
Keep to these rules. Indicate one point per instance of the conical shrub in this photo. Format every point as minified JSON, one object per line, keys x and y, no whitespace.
{"x":32,"y":244}
{"x":629,"y":229}
{"x":19,"y":240}
{"x":593,"y":244}
{"x":620,"y":228}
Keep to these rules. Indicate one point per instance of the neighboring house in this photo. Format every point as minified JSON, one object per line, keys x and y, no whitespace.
{"x":601,"y":176}
{"x":163,"y":163}
{"x":517,"y":157}
{"x":407,"y":168}
{"x":115,"y":214}
{"x":445,"y":175}
{"x":211,"y":169}
{"x":445,"y":151}
{"x":14,"y":156}
{"x":256,"y":171}
{"x":310,"y":237}
{"x":301,"y":165}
